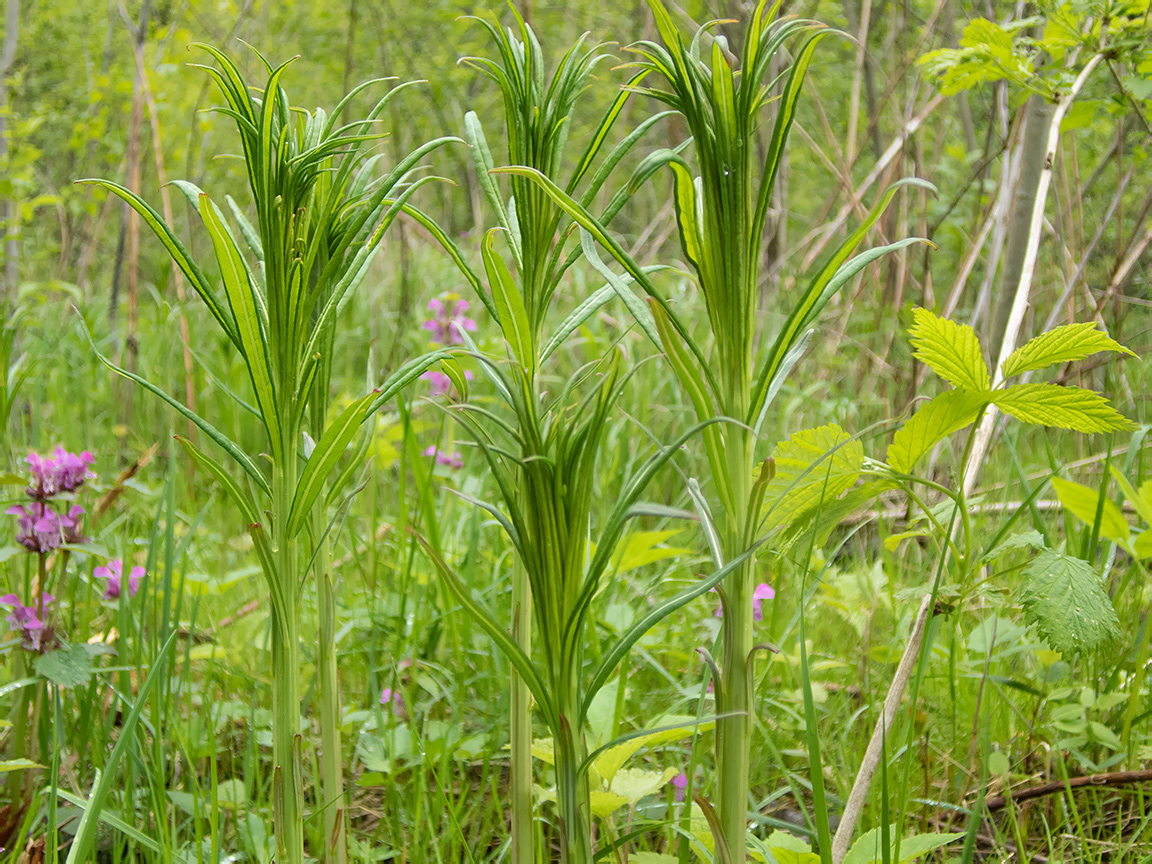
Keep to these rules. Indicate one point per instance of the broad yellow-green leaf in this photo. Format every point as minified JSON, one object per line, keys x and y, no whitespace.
{"x":1062,"y":407}
{"x":1062,"y":345}
{"x":605,"y":803}
{"x":950,"y":350}
{"x":509,"y":304}
{"x":813,"y":464}
{"x":635,"y":783}
{"x":1141,"y":500}
{"x":868,"y":848}
{"x":1142,"y":546}
{"x":644,"y":547}
{"x":544,"y":749}
{"x":612,"y":759}
{"x":1083,"y":502}
{"x":18,"y":765}
{"x":652,"y":858}
{"x":945,"y":414}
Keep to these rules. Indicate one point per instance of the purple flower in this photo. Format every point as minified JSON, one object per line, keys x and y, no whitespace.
{"x":24,"y":619}
{"x":60,"y":472}
{"x":680,"y":782}
{"x":392,"y":699}
{"x":39,"y":529}
{"x":71,"y":525}
{"x":453,"y":460}
{"x":441,"y":384}
{"x":448,"y":329}
{"x":113,"y":572}
{"x":763,"y":592}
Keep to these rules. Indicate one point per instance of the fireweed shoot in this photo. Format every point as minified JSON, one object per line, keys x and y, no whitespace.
{"x":321,"y":211}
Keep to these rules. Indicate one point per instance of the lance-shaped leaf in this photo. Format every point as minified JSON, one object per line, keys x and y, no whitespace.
{"x":1141,"y":500}
{"x":1085,"y":502}
{"x":812,"y":466}
{"x":179,"y":254}
{"x":322,"y":462}
{"x":1062,"y":407}
{"x":239,"y":497}
{"x":230,"y":447}
{"x":635,"y":305}
{"x":950,"y":350}
{"x":482,"y":158}
{"x":243,"y":302}
{"x":509,"y":305}
{"x":948,"y":412}
{"x":504,"y":642}
{"x":1061,"y":345}
{"x":1065,"y":599}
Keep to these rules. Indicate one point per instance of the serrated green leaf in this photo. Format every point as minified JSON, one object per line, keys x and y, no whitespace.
{"x":948,"y":412}
{"x":813,"y":464}
{"x":1083,"y":502}
{"x":950,"y":350}
{"x":66,"y":667}
{"x":1061,"y":345}
{"x":1062,"y":407}
{"x":1064,"y":598}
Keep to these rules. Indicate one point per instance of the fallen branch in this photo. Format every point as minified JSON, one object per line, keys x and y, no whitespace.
{"x":1114,"y":778}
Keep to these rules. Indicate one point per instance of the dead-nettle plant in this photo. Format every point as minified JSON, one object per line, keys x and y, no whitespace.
{"x":722,"y":206}
{"x":1063,"y":595}
{"x":542,"y":447}
{"x":321,"y":208}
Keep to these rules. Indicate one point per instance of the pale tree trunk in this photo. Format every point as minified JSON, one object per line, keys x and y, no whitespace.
{"x":8,"y":211}
{"x":1033,"y":143}
{"x":1007,"y":340}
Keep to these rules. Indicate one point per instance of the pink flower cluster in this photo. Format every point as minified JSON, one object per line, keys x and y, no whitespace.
{"x":60,"y":472}
{"x":441,"y":384}
{"x":447,"y":328}
{"x":24,"y":619}
{"x":112,"y":573}
{"x":41,"y":529}
{"x":452,"y":460}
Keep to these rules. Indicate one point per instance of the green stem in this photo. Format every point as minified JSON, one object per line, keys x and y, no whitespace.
{"x":521,"y":710}
{"x":1137,"y":680}
{"x":328,"y":691}
{"x":288,"y":779}
{"x":573,"y":795}
{"x":734,"y":733}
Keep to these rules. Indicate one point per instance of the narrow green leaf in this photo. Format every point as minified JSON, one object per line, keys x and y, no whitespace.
{"x":243,"y":302}
{"x":504,"y":642}
{"x":239,"y":497}
{"x":635,"y":305}
{"x":87,"y":826}
{"x":1142,"y":503}
{"x":196,"y":278}
{"x":204,"y":426}
{"x":948,"y":412}
{"x":1061,"y":345}
{"x":482,"y":158}
{"x":509,"y":305}
{"x":1062,"y":407}
{"x":322,"y":462}
{"x":1084,"y":502}
{"x":950,"y":350}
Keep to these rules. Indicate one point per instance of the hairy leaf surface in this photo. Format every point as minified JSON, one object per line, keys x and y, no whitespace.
{"x":1063,"y":407}
{"x":1065,"y":599}
{"x":1061,"y":345}
{"x":950,"y":350}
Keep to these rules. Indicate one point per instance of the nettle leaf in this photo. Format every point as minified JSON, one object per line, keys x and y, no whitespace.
{"x":813,"y":464}
{"x":1062,"y":345}
{"x":1083,"y":502}
{"x":1064,"y":598}
{"x":1062,"y":407}
{"x":950,"y":350}
{"x":66,"y":667}
{"x":945,"y":414}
